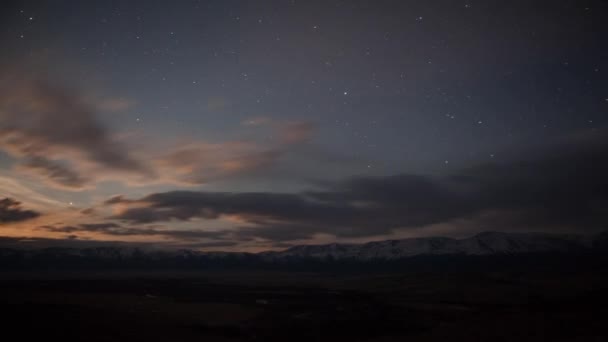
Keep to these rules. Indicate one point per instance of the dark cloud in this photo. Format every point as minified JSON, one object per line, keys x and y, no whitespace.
{"x":11,"y":211}
{"x":42,"y":123}
{"x":563,"y":186}
{"x":99,"y":226}
{"x":277,"y":232}
{"x":110,"y":228}
{"x":88,"y":211}
{"x":73,"y":241}
{"x":54,"y":171}
{"x":60,"y":229}
{"x":70,"y":241}
{"x":115,"y":200}
{"x":210,"y":244}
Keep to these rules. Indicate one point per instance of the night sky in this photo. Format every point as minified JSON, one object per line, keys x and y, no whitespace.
{"x":253,"y":125}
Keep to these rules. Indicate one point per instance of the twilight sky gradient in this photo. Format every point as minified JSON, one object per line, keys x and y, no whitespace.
{"x":253,"y":125}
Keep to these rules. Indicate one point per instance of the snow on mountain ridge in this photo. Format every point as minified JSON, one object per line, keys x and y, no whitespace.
{"x":481,"y":244}
{"x":488,"y":243}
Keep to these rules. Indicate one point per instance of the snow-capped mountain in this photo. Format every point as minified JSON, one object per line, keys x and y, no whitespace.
{"x":484,"y":244}
{"x":489,"y":243}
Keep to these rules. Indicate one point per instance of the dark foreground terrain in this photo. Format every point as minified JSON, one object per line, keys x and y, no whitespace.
{"x":297,"y":306}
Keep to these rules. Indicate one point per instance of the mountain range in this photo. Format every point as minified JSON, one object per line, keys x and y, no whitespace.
{"x":487,"y":243}
{"x":484,"y":245}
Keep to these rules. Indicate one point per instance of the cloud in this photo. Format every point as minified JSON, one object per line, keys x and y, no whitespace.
{"x":11,"y":187}
{"x":203,"y":162}
{"x":200,"y":163}
{"x":276,"y":232}
{"x":289,"y":132}
{"x":114,"y":229}
{"x":296,"y":132}
{"x":54,"y":171}
{"x":116,"y":200}
{"x":55,"y":134}
{"x":212,"y":244}
{"x":11,"y":211}
{"x":73,"y":241}
{"x":561,"y":187}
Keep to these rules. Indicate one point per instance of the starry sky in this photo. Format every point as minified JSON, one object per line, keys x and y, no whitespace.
{"x":255,"y":125}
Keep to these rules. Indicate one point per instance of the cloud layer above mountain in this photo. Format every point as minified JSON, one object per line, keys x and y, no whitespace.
{"x":559,"y":188}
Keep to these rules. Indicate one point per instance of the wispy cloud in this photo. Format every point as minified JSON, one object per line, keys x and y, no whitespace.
{"x":202,"y":162}
{"x":11,"y":187}
{"x":56,"y":136}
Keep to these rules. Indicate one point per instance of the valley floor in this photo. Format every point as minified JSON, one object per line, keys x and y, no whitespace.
{"x":278,"y":306}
